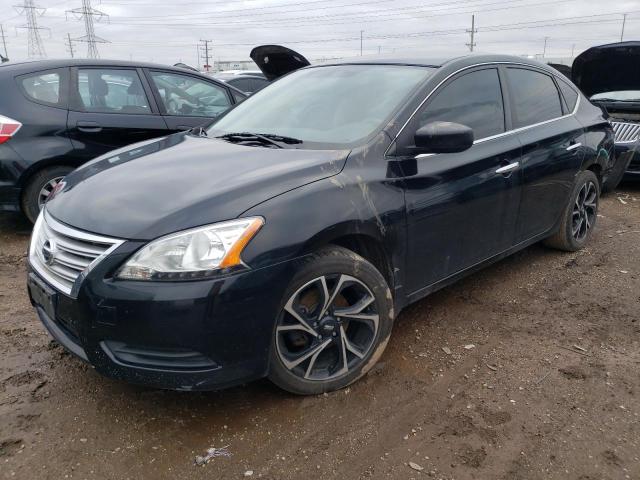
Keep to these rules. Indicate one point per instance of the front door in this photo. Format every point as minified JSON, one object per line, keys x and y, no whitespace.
{"x":461,"y":207}
{"x":108,"y":109}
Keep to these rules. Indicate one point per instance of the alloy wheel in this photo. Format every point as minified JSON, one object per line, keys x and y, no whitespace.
{"x":46,"y":190}
{"x":585,"y":210}
{"x":327,"y":327}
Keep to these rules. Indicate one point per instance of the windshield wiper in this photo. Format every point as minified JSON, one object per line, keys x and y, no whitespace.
{"x":281,"y":138}
{"x":249,"y":138}
{"x":264,"y":138}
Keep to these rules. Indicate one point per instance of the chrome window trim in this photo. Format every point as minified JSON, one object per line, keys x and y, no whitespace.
{"x":499,"y":135}
{"x":65,"y":230}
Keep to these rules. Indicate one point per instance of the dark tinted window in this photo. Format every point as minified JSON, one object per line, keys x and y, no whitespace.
{"x":569,"y":94}
{"x":258,"y":83}
{"x":243,"y":84}
{"x":474,"y":100}
{"x":535,"y":97}
{"x":112,"y":91}
{"x":42,"y":87}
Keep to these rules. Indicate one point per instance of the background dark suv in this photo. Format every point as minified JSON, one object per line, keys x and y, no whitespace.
{"x":57,"y":114}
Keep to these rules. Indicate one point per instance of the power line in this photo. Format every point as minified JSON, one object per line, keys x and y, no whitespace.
{"x":35,"y":47}
{"x":88,"y":13}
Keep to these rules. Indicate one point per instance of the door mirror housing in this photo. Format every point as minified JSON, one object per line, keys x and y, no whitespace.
{"x":443,"y":137}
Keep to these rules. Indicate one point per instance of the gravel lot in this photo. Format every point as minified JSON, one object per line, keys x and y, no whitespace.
{"x":527,"y":370}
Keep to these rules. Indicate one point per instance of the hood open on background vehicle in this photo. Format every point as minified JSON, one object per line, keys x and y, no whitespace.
{"x":276,"y":60}
{"x":608,"y":68}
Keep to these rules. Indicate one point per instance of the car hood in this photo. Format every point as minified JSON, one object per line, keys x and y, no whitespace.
{"x":608,"y":68}
{"x":182,"y":181}
{"x":275,"y":60}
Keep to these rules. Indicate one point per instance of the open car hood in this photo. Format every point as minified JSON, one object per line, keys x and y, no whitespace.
{"x":608,"y":68}
{"x":276,"y":61}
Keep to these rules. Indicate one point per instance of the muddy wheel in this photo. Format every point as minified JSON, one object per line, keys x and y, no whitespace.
{"x":335,"y":320}
{"x":39,"y":188}
{"x":580,"y":215}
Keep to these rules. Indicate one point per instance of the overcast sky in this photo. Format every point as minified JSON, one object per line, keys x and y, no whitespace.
{"x":168,"y":31}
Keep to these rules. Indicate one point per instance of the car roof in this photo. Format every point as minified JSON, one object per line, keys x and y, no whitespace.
{"x":86,"y":62}
{"x":437,"y":62}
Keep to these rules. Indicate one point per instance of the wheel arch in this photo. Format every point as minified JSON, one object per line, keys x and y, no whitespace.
{"x":363,"y":239}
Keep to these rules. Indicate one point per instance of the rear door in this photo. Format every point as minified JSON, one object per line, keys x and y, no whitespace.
{"x":552,"y":151}
{"x":188,"y":101}
{"x":110,"y":107}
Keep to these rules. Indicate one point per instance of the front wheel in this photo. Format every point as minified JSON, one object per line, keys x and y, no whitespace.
{"x":580,"y":215}
{"x":334,"y":323}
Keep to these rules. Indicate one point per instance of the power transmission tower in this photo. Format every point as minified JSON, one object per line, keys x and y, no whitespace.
{"x":32,"y":12}
{"x":5,"y":57}
{"x":624,"y":21}
{"x":544,"y":51}
{"x":361,"y":32}
{"x":88,"y":14}
{"x":473,"y":32}
{"x":70,"y":45}
{"x":207,"y":66}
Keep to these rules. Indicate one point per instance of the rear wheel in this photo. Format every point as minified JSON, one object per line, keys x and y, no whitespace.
{"x":40,"y":187}
{"x":334,"y":324}
{"x":580,"y":215}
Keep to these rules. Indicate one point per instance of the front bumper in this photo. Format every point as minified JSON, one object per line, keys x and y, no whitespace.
{"x":201,"y":335}
{"x":630,"y":153}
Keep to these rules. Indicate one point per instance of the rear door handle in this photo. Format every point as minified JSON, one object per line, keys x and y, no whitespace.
{"x":89,"y":127}
{"x":573,"y":147}
{"x":508,"y":168}
{"x":184,"y":127}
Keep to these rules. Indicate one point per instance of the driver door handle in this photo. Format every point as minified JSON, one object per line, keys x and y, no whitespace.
{"x":508,"y":168}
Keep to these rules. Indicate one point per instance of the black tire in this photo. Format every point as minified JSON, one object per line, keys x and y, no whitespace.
{"x":31,"y":196}
{"x":341,"y":265}
{"x":566,"y":238}
{"x":614,"y":179}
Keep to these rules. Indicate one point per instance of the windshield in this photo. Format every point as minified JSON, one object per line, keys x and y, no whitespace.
{"x":334,"y":105}
{"x":619,"y":96}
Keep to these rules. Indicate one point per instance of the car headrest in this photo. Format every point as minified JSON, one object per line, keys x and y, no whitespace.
{"x":135,"y":89}
{"x":98,"y":87}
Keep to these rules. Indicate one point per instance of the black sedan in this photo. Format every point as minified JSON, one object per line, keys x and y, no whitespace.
{"x":284,"y":240}
{"x":57,"y":114}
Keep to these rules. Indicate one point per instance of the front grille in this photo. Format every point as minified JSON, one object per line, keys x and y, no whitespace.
{"x":626,"y":132}
{"x":63,"y":255}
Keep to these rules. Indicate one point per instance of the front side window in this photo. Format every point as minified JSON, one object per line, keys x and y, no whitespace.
{"x":42,"y":87}
{"x":332,"y":106}
{"x":111,"y":91}
{"x":534,"y":96}
{"x":474,"y":100}
{"x":185,"y":95}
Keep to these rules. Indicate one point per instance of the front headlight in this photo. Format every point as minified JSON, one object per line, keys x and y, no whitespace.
{"x":192,"y":254}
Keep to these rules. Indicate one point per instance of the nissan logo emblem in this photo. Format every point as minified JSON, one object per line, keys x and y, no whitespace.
{"x":49,"y":251}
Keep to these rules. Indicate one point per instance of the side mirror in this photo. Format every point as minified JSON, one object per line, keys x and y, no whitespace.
{"x":443,"y":137}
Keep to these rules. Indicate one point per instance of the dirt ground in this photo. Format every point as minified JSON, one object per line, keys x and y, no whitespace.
{"x":527,"y":370}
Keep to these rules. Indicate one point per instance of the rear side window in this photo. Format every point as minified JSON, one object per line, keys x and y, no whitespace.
{"x":43,"y":87}
{"x":243,"y":84}
{"x":535,"y":97}
{"x":569,"y":94}
{"x":474,"y":100}
{"x":112,"y":91}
